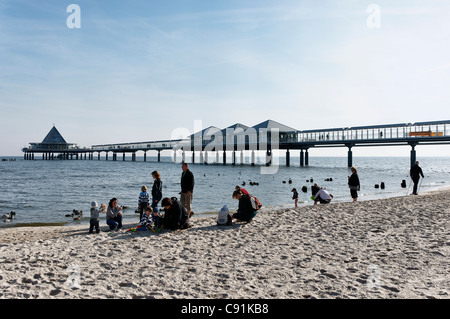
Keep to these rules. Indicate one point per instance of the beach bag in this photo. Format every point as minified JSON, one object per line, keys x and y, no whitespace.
{"x":256,"y":204}
{"x":224,"y":217}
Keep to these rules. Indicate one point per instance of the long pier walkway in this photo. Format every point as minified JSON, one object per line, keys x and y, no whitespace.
{"x":266,"y":136}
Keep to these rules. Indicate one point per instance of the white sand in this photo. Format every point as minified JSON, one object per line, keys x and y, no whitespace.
{"x":391,"y":248}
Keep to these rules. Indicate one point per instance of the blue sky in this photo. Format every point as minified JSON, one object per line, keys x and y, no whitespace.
{"x":138,"y":70}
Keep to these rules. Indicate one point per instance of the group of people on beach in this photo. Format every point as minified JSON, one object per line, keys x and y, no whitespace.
{"x":176,"y":212}
{"x":321,"y":194}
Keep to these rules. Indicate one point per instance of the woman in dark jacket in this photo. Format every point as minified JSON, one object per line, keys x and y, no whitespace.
{"x":353,"y":184}
{"x":156,"y":190}
{"x":245,"y":211}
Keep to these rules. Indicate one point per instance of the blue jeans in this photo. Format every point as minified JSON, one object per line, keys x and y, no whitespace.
{"x":155,"y":205}
{"x":115,"y":222}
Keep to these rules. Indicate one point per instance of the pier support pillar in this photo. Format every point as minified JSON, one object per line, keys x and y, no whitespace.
{"x":193,"y":157}
{"x":413,"y":154}
{"x":224,"y":159}
{"x":302,"y":159}
{"x":268,"y":157}
{"x":288,"y":158}
{"x":145,"y":156}
{"x":350,"y":157}
{"x":306,"y":158}
{"x":206,"y":157}
{"x":242,"y":158}
{"x":159,"y":156}
{"x":253,"y":158}
{"x":233,"y":160}
{"x":123,"y":156}
{"x":133,"y":157}
{"x":201,"y":157}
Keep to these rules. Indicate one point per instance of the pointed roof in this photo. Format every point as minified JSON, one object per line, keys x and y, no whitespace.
{"x":234,"y":127}
{"x":54,"y":137}
{"x":271,"y":124}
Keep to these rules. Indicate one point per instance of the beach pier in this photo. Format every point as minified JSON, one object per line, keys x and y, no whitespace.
{"x":266,"y":137}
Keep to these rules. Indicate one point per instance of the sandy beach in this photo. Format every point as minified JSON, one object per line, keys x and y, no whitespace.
{"x":389,"y":248}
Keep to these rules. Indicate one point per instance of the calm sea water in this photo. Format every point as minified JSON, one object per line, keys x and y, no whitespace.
{"x":45,"y":191}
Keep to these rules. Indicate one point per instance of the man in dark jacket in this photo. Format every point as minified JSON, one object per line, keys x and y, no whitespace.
{"x":175,"y":216}
{"x":415,"y":174}
{"x":187,"y":187}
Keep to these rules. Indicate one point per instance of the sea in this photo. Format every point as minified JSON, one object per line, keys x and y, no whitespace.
{"x":45,"y":192}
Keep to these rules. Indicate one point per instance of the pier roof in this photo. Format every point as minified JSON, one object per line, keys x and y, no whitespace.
{"x":271,"y":124}
{"x":235,"y":127}
{"x":54,"y":137}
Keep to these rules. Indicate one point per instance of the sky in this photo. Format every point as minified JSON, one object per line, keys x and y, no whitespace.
{"x":129,"y":71}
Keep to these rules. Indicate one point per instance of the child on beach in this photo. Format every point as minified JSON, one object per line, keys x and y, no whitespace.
{"x":143,"y":201}
{"x":295,"y":196}
{"x":146,"y":221}
{"x":155,"y":219}
{"x":95,"y":214}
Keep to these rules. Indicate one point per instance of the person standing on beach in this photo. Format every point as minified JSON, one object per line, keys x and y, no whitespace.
{"x":353,"y":184}
{"x":295,"y":196}
{"x":187,"y":188}
{"x":143,"y":201}
{"x":114,"y":215}
{"x":93,"y":222}
{"x":156,"y":190}
{"x":415,"y":173}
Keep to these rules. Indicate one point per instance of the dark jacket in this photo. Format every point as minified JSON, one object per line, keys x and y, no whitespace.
{"x":187,"y":182}
{"x":416,"y":172}
{"x":157,"y":190}
{"x":245,"y":210}
{"x":176,"y":216}
{"x":353,"y":181}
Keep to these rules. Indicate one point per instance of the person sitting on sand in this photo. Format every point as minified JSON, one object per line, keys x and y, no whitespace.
{"x":322,"y":196}
{"x":245,"y":210}
{"x":114,"y":215}
{"x":175,"y":216}
{"x":146,"y":221}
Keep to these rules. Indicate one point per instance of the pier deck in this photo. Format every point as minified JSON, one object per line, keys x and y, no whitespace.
{"x":266,"y":136}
